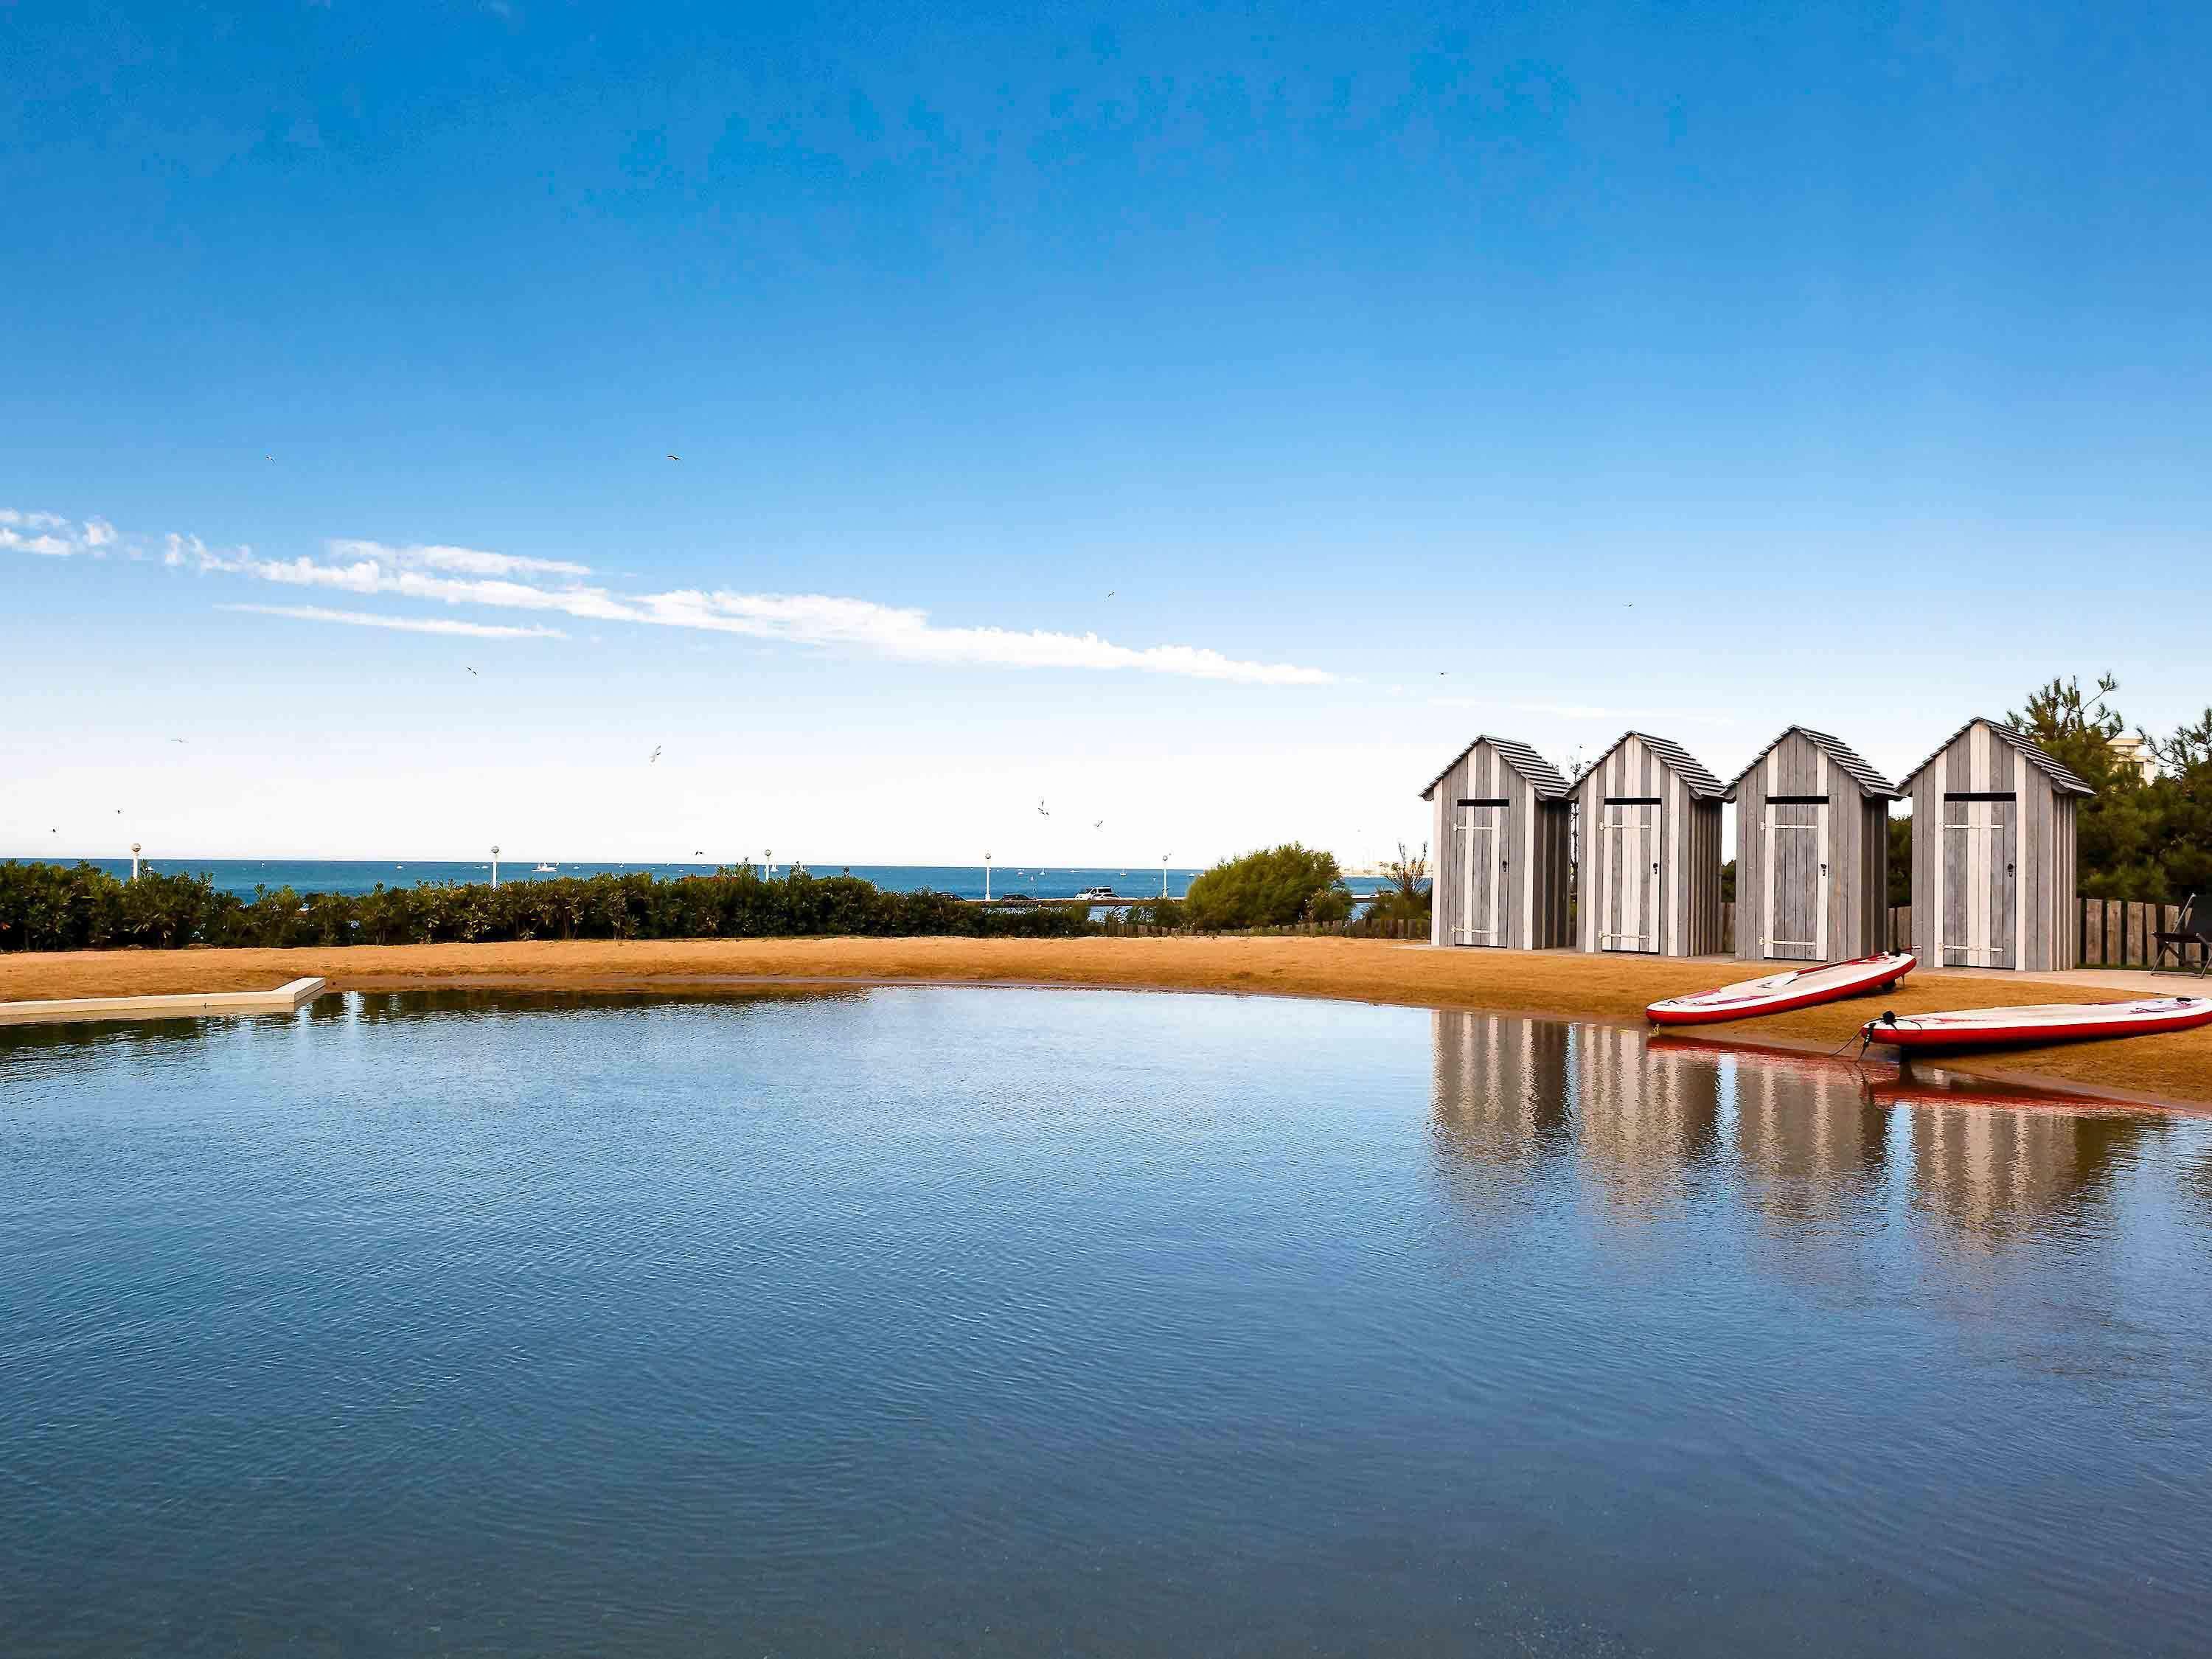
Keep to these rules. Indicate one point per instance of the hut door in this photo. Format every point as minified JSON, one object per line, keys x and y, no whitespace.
{"x":1981,"y":848}
{"x":1797,"y":898}
{"x":1629,"y":919}
{"x":1482,"y":874}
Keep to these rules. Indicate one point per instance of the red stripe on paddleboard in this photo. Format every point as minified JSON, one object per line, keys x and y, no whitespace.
{"x":1996,"y":1034}
{"x":1885,"y":969}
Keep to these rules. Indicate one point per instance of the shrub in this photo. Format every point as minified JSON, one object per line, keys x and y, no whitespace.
{"x":47,"y":907}
{"x":1272,"y":889}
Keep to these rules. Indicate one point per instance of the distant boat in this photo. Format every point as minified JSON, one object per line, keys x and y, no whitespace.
{"x":547,"y":869}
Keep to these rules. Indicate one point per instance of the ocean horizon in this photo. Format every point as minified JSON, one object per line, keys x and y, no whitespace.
{"x":353,"y":877}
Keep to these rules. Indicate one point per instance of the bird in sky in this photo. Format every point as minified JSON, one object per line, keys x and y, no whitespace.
{"x":179,"y":739}
{"x":698,"y":852}
{"x":1041,"y":811}
{"x":654,"y":755}
{"x":472,"y":673}
{"x":1100,"y":824}
{"x":675,"y":458}
{"x":1110,"y":593}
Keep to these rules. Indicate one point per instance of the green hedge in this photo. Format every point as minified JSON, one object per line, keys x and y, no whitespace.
{"x":51,"y":907}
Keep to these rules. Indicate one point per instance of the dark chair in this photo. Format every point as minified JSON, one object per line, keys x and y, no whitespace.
{"x":2193,"y":929}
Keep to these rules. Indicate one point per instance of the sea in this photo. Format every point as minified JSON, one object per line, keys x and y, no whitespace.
{"x":354,"y":877}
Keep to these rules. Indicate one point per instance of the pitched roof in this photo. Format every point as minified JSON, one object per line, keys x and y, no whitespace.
{"x":1871,"y":783}
{"x":1679,"y":760}
{"x":1543,"y":777}
{"x":2064,"y":778}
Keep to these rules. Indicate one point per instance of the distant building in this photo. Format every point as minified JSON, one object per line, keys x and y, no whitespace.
{"x":2136,"y":752}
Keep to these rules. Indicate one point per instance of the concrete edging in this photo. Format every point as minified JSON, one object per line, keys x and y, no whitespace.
{"x":282,"y":999}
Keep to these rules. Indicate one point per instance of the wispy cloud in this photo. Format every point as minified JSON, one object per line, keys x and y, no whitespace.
{"x":469,"y":576}
{"x":436,"y":574}
{"x":404,"y":624}
{"x":50,"y":535}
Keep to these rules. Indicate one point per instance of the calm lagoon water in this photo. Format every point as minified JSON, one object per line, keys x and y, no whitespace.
{"x":998,"y":1322}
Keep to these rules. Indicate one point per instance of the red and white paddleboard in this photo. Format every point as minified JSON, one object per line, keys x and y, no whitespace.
{"x":1780,"y":993}
{"x":2054,"y":1022}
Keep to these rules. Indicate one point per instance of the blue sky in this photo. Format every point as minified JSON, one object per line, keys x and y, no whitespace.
{"x":1400,"y":373}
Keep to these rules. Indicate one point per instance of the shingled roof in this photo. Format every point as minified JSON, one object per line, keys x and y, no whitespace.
{"x":1542,"y":776}
{"x":2066,"y":780}
{"x":1870,"y":782}
{"x":1702,"y":783}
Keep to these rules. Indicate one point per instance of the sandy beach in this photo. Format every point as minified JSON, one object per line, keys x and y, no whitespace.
{"x":2176,"y":1068}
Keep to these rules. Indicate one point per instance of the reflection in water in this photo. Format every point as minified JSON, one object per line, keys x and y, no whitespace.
{"x":1808,"y":1138}
{"x":1643,"y":1114}
{"x":1997,"y":1167}
{"x":1499,"y":1088}
{"x":1809,"y":1129}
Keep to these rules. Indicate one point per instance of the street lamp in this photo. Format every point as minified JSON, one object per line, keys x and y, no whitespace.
{"x":987,"y":878}
{"x":1164,"y":873}
{"x":494,"y":868}
{"x":134,"y":860}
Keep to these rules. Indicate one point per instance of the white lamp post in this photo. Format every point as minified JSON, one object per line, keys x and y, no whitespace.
{"x":1163,"y":874}
{"x":768,"y":861}
{"x":134,"y":860}
{"x":987,"y":878}
{"x":494,"y":868}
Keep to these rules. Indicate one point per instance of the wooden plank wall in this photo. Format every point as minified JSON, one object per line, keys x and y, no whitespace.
{"x":1687,"y":893}
{"x":1854,"y":842}
{"x":2033,"y":914}
{"x":1535,"y":911}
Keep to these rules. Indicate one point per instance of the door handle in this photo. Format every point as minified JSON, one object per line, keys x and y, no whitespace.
{"x":2008,"y":869}
{"x":1655,"y":866}
{"x":1824,"y":870}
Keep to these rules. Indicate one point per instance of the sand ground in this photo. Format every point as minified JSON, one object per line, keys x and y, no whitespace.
{"x":2176,"y":1068}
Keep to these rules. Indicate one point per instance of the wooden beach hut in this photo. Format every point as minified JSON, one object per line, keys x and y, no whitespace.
{"x":1649,"y":846}
{"x":1502,"y":837}
{"x":1812,"y":852}
{"x":1993,"y":868}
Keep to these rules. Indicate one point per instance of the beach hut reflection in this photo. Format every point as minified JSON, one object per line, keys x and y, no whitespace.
{"x":1498,"y":1088}
{"x":1998,"y":1166}
{"x":1812,"y":1140}
{"x":1643,"y":1114}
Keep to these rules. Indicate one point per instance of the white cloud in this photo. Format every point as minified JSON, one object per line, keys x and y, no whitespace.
{"x":467,"y":560}
{"x":436,"y":574}
{"x":50,"y":535}
{"x":454,"y":575}
{"x":405,"y":625}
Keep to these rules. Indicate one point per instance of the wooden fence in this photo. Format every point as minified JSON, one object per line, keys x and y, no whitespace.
{"x":2113,"y":933}
{"x":1117,"y":928}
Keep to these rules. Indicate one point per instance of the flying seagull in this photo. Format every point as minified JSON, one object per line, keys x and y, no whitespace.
{"x":675,"y":458}
{"x":654,"y":755}
{"x":179,"y":739}
{"x":1100,"y":824}
{"x":1110,"y":593}
{"x":1041,"y":811}
{"x":472,"y":672}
